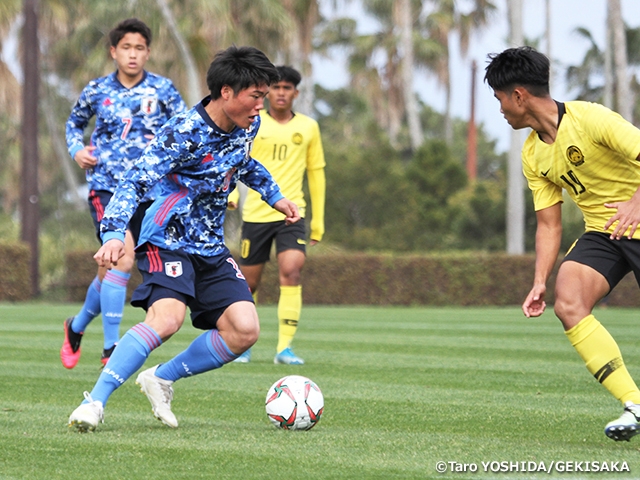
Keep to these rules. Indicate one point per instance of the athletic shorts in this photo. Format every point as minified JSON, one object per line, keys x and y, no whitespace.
{"x":207,"y":285}
{"x":611,"y":258}
{"x":98,"y":201}
{"x":257,"y":238}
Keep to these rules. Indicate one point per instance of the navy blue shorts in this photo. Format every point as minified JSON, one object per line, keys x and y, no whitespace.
{"x":207,"y":285}
{"x":98,"y":201}
{"x":257,"y":238}
{"x":611,"y":258}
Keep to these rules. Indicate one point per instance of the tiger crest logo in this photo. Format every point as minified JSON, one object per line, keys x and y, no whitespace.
{"x":575,"y":156}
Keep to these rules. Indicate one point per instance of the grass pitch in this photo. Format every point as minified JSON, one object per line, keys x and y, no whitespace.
{"x":404,"y":389}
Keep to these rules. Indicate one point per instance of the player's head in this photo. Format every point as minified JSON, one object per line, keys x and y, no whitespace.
{"x":239,"y":79}
{"x":130,"y":49}
{"x":289,"y":74}
{"x":283,"y":92}
{"x":130,"y":25}
{"x":239,"y":68}
{"x":521,"y":66}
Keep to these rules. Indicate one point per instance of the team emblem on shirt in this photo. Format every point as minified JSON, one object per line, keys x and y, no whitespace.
{"x":297,"y":138}
{"x":575,"y":156}
{"x":173,"y":269}
{"x":149,"y":105}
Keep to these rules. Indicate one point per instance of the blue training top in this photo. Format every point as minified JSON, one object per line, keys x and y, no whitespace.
{"x":194,"y":165}
{"x":126,"y":120}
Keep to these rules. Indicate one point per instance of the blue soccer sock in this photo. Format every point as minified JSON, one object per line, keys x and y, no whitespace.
{"x":112,"y":298}
{"x":90,"y":309}
{"x":133,"y":349}
{"x":207,"y":352}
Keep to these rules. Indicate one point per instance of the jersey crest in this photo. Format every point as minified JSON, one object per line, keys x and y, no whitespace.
{"x":173,"y":269}
{"x":149,"y":105}
{"x":575,"y":156}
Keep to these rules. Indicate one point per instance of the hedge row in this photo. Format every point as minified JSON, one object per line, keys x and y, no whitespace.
{"x":374,"y":279}
{"x":15,"y":284}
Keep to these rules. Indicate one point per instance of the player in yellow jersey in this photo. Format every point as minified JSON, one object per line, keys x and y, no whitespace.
{"x":289,"y":145}
{"x":592,"y":153}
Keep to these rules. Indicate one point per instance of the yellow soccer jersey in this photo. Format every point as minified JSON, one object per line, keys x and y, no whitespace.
{"x":593,"y":158}
{"x":288,"y":151}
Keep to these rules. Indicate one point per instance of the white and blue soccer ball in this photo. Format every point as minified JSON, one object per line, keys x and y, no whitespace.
{"x":294,"y":403}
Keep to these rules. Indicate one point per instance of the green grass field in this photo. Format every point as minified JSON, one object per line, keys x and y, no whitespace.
{"x":404,"y":389}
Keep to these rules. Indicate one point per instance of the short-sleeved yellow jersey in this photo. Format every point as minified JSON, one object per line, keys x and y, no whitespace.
{"x":593,"y":158}
{"x":288,"y":151}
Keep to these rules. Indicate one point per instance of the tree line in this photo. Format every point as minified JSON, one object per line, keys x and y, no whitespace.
{"x":396,"y":178}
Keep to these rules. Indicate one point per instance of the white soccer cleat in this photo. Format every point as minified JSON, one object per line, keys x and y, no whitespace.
{"x":160,"y":393}
{"x":87,"y":416}
{"x":627,"y":426}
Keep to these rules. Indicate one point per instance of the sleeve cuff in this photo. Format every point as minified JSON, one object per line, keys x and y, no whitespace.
{"x":106,"y":236}
{"x":273,"y":199}
{"x":75,"y":150}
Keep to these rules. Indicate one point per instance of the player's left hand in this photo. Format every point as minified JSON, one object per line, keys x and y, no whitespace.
{"x":290,"y":210}
{"x":627,"y":216}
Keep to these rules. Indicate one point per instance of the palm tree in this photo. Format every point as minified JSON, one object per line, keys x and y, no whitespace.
{"x":375,"y":62}
{"x":515,"y":184}
{"x":619,"y":47}
{"x":444,"y":20}
{"x":405,"y":23}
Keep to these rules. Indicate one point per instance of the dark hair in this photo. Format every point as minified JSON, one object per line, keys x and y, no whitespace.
{"x":289,"y":74}
{"x":523,"y":66}
{"x":239,"y":68}
{"x":130,"y":25}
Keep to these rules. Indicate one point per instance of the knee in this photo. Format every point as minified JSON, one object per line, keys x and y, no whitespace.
{"x":290,"y":277}
{"x":165,"y":326}
{"x":125,"y":264}
{"x":246,"y":338}
{"x":569,"y":310}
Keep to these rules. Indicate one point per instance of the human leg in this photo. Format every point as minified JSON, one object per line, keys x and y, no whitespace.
{"x":257,"y":239}
{"x":578,"y":289}
{"x":290,"y":264}
{"x":113,"y":296}
{"x":237,"y":329}
{"x":164,"y":318}
{"x":76,"y":325}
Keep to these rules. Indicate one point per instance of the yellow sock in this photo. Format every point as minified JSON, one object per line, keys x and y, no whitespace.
{"x":289,"y":307}
{"x":603,"y":359}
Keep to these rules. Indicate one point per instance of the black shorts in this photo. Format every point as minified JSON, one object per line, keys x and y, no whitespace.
{"x":98,"y":201}
{"x":207,"y":285}
{"x":611,"y":258}
{"x":257,"y":238}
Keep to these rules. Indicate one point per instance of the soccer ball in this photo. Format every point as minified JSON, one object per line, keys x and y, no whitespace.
{"x":294,"y":403}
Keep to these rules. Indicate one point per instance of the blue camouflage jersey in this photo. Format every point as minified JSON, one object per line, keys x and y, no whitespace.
{"x":126,"y":120}
{"x":194,"y":165}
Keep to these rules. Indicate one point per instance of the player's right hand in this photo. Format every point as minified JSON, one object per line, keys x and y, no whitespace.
{"x":534,"y":304}
{"x":109,"y":253}
{"x":290,"y":210}
{"x":85,"y":159}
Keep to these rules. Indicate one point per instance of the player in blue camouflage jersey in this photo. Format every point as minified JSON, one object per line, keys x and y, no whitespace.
{"x":195,"y":160}
{"x":129,"y":105}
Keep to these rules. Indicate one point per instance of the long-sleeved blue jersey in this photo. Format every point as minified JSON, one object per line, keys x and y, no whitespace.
{"x":126,"y":119}
{"x":194,"y":165}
